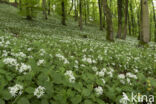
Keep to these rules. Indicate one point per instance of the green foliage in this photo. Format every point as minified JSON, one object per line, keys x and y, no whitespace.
{"x":42,"y":40}
{"x":29,"y":8}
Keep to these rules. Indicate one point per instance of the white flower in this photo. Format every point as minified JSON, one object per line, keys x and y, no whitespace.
{"x":16,"y":90}
{"x":130,"y":75}
{"x":94,"y":69}
{"x":70,"y":75}
{"x":103,"y":81}
{"x":62,"y":58}
{"x":5,"y":53}
{"x":100,"y":57}
{"x":121,"y":76}
{"x":39,"y":91}
{"x":136,"y":70}
{"x":88,"y":60}
{"x":20,"y":54}
{"x":24,"y":68}
{"x":40,"y":62}
{"x":110,"y":74}
{"x":124,"y":99}
{"x":42,"y":52}
{"x":29,"y":49}
{"x":128,"y":80}
{"x":122,"y":81}
{"x":99,"y":90}
{"x":10,"y":61}
{"x":100,"y":74}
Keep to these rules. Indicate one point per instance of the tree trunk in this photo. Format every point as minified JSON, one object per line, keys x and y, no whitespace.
{"x":29,"y":16}
{"x":85,"y":12}
{"x":44,"y":9}
{"x":145,"y":23}
{"x":132,"y":20}
{"x":49,"y":7}
{"x":93,"y":11}
{"x":20,"y":5}
{"x":119,"y":19}
{"x":139,"y":22}
{"x":129,"y":25}
{"x":88,"y":10}
{"x":71,"y":7}
{"x":63,"y":13}
{"x":76,"y":12}
{"x":126,"y":18}
{"x":154,"y":18}
{"x":100,"y":14}
{"x":80,"y":20}
{"x":108,"y":15}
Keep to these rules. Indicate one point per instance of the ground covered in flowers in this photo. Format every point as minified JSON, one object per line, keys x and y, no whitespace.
{"x":38,"y":65}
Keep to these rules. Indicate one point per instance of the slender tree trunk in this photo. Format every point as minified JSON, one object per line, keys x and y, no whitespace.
{"x":129,"y":25}
{"x":80,"y":20}
{"x":119,"y":19}
{"x":63,"y":13}
{"x":29,"y":16}
{"x":100,"y":14}
{"x":20,"y":5}
{"x":154,"y":18}
{"x":104,"y":17}
{"x":93,"y":11}
{"x":139,"y":22}
{"x":108,"y":14}
{"x":76,"y":12}
{"x":132,"y":19}
{"x":126,"y":18}
{"x":88,"y":10}
{"x":49,"y":7}
{"x":71,"y":7}
{"x":85,"y":4}
{"x":44,"y":9}
{"x":145,"y":23}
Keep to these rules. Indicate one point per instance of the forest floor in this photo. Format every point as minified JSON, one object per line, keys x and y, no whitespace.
{"x":72,"y":66}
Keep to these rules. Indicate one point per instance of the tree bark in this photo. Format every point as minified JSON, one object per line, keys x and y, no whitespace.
{"x":132,"y":20}
{"x":88,"y":10}
{"x":76,"y":11}
{"x":49,"y":7}
{"x":100,"y":14}
{"x":71,"y":7}
{"x":126,"y":20}
{"x":145,"y":23}
{"x":154,"y":18}
{"x":63,"y":13}
{"x":108,"y":15}
{"x":93,"y":11}
{"x":119,"y":19}
{"x":80,"y":20}
{"x":44,"y":9}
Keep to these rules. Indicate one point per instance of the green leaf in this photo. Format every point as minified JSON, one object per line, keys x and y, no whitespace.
{"x":86,"y":92}
{"x":2,"y":101}
{"x":76,"y":99}
{"x":44,"y":101}
{"x":29,"y":90}
{"x":152,"y":81}
{"x":88,"y":102}
{"x":99,"y":101}
{"x":6,"y":95}
{"x":23,"y":101}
